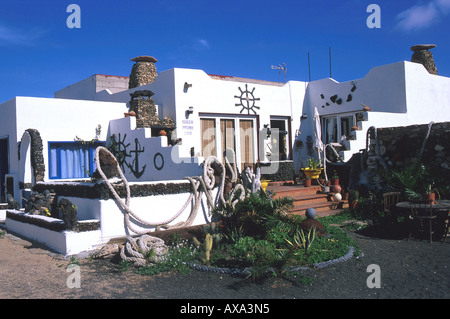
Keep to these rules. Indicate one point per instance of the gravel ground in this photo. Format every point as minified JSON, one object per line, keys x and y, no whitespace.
{"x":409,"y":269}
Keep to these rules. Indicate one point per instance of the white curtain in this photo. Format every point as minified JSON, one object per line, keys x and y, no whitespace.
{"x":74,"y":161}
{"x":69,"y":160}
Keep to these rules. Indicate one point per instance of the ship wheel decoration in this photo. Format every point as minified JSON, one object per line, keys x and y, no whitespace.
{"x":247,"y":100}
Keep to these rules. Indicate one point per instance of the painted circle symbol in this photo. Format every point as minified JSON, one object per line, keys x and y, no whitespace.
{"x":158,"y":161}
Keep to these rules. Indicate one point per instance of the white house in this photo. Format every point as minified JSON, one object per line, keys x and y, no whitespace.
{"x":184,"y":116}
{"x":213,"y":112}
{"x":265,"y":122}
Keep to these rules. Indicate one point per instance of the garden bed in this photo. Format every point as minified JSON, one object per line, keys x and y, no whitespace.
{"x":256,"y":237}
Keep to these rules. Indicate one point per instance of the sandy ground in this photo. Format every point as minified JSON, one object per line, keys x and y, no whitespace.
{"x":409,"y":269}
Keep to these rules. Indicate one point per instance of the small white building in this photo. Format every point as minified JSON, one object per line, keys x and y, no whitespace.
{"x":38,"y":139}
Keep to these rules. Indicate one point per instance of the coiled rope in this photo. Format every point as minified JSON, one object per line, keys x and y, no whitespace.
{"x":136,"y":249}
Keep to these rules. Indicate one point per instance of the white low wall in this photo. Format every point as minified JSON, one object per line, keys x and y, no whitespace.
{"x":154,"y":209}
{"x":65,"y":242}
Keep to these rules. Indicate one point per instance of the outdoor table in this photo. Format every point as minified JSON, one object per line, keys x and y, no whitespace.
{"x":441,"y":208}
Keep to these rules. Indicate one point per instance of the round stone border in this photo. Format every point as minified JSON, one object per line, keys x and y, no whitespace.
{"x":245,"y":271}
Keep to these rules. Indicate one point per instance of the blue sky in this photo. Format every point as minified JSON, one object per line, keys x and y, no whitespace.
{"x":39,"y":54}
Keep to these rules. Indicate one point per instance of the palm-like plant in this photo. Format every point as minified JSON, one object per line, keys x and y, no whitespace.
{"x":412,"y":180}
{"x":256,"y":214}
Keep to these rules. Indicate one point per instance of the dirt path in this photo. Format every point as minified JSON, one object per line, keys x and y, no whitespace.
{"x":413,"y":269}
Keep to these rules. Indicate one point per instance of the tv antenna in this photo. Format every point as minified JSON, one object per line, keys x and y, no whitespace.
{"x":282,"y":68}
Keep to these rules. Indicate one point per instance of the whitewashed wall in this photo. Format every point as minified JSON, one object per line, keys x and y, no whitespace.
{"x":158,"y":161}
{"x":56,"y":120}
{"x":398,"y":94}
{"x":213,"y":95}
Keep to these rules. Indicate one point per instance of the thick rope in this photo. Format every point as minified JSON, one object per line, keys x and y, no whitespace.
{"x":136,"y":250}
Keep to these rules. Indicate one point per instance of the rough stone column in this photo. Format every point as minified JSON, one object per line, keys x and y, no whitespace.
{"x":423,"y":56}
{"x":143,"y":105}
{"x":143,"y":71}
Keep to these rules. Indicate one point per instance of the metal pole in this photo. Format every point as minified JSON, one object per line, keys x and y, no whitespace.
{"x":309,"y":68}
{"x":329,"y":52}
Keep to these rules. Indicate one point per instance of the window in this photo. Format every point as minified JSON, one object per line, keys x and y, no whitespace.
{"x":69,"y":160}
{"x":334,"y":133}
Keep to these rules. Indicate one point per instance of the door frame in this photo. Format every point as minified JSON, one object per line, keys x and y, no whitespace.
{"x":4,"y":167}
{"x":287,"y":120}
{"x":236,"y":118}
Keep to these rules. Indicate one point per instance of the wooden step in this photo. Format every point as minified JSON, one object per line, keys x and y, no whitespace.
{"x":285,"y":191}
{"x":310,"y":199}
{"x":307,"y":197}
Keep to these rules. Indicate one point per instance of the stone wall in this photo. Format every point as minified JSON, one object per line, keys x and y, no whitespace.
{"x":399,"y":146}
{"x":285,"y":171}
{"x":37,"y":156}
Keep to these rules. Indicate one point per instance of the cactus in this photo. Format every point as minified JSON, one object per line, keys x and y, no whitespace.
{"x":206,"y":246}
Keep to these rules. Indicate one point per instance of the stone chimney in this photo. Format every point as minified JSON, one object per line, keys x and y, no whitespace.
{"x":144,"y":107}
{"x":143,"y":71}
{"x":423,"y":56}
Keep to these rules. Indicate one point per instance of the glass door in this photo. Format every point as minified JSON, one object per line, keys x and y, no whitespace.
{"x":208,"y":137}
{"x":246,"y":139}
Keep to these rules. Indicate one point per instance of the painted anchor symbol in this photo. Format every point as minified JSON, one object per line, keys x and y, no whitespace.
{"x":135,"y":162}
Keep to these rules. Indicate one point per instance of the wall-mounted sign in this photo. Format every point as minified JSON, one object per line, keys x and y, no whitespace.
{"x":188,"y":126}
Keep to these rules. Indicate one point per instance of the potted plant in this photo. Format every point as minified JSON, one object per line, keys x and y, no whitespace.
{"x":344,"y":195}
{"x":353,"y":197}
{"x":307,"y":181}
{"x":335,"y":178}
{"x":430,"y":193}
{"x":313,"y":168}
